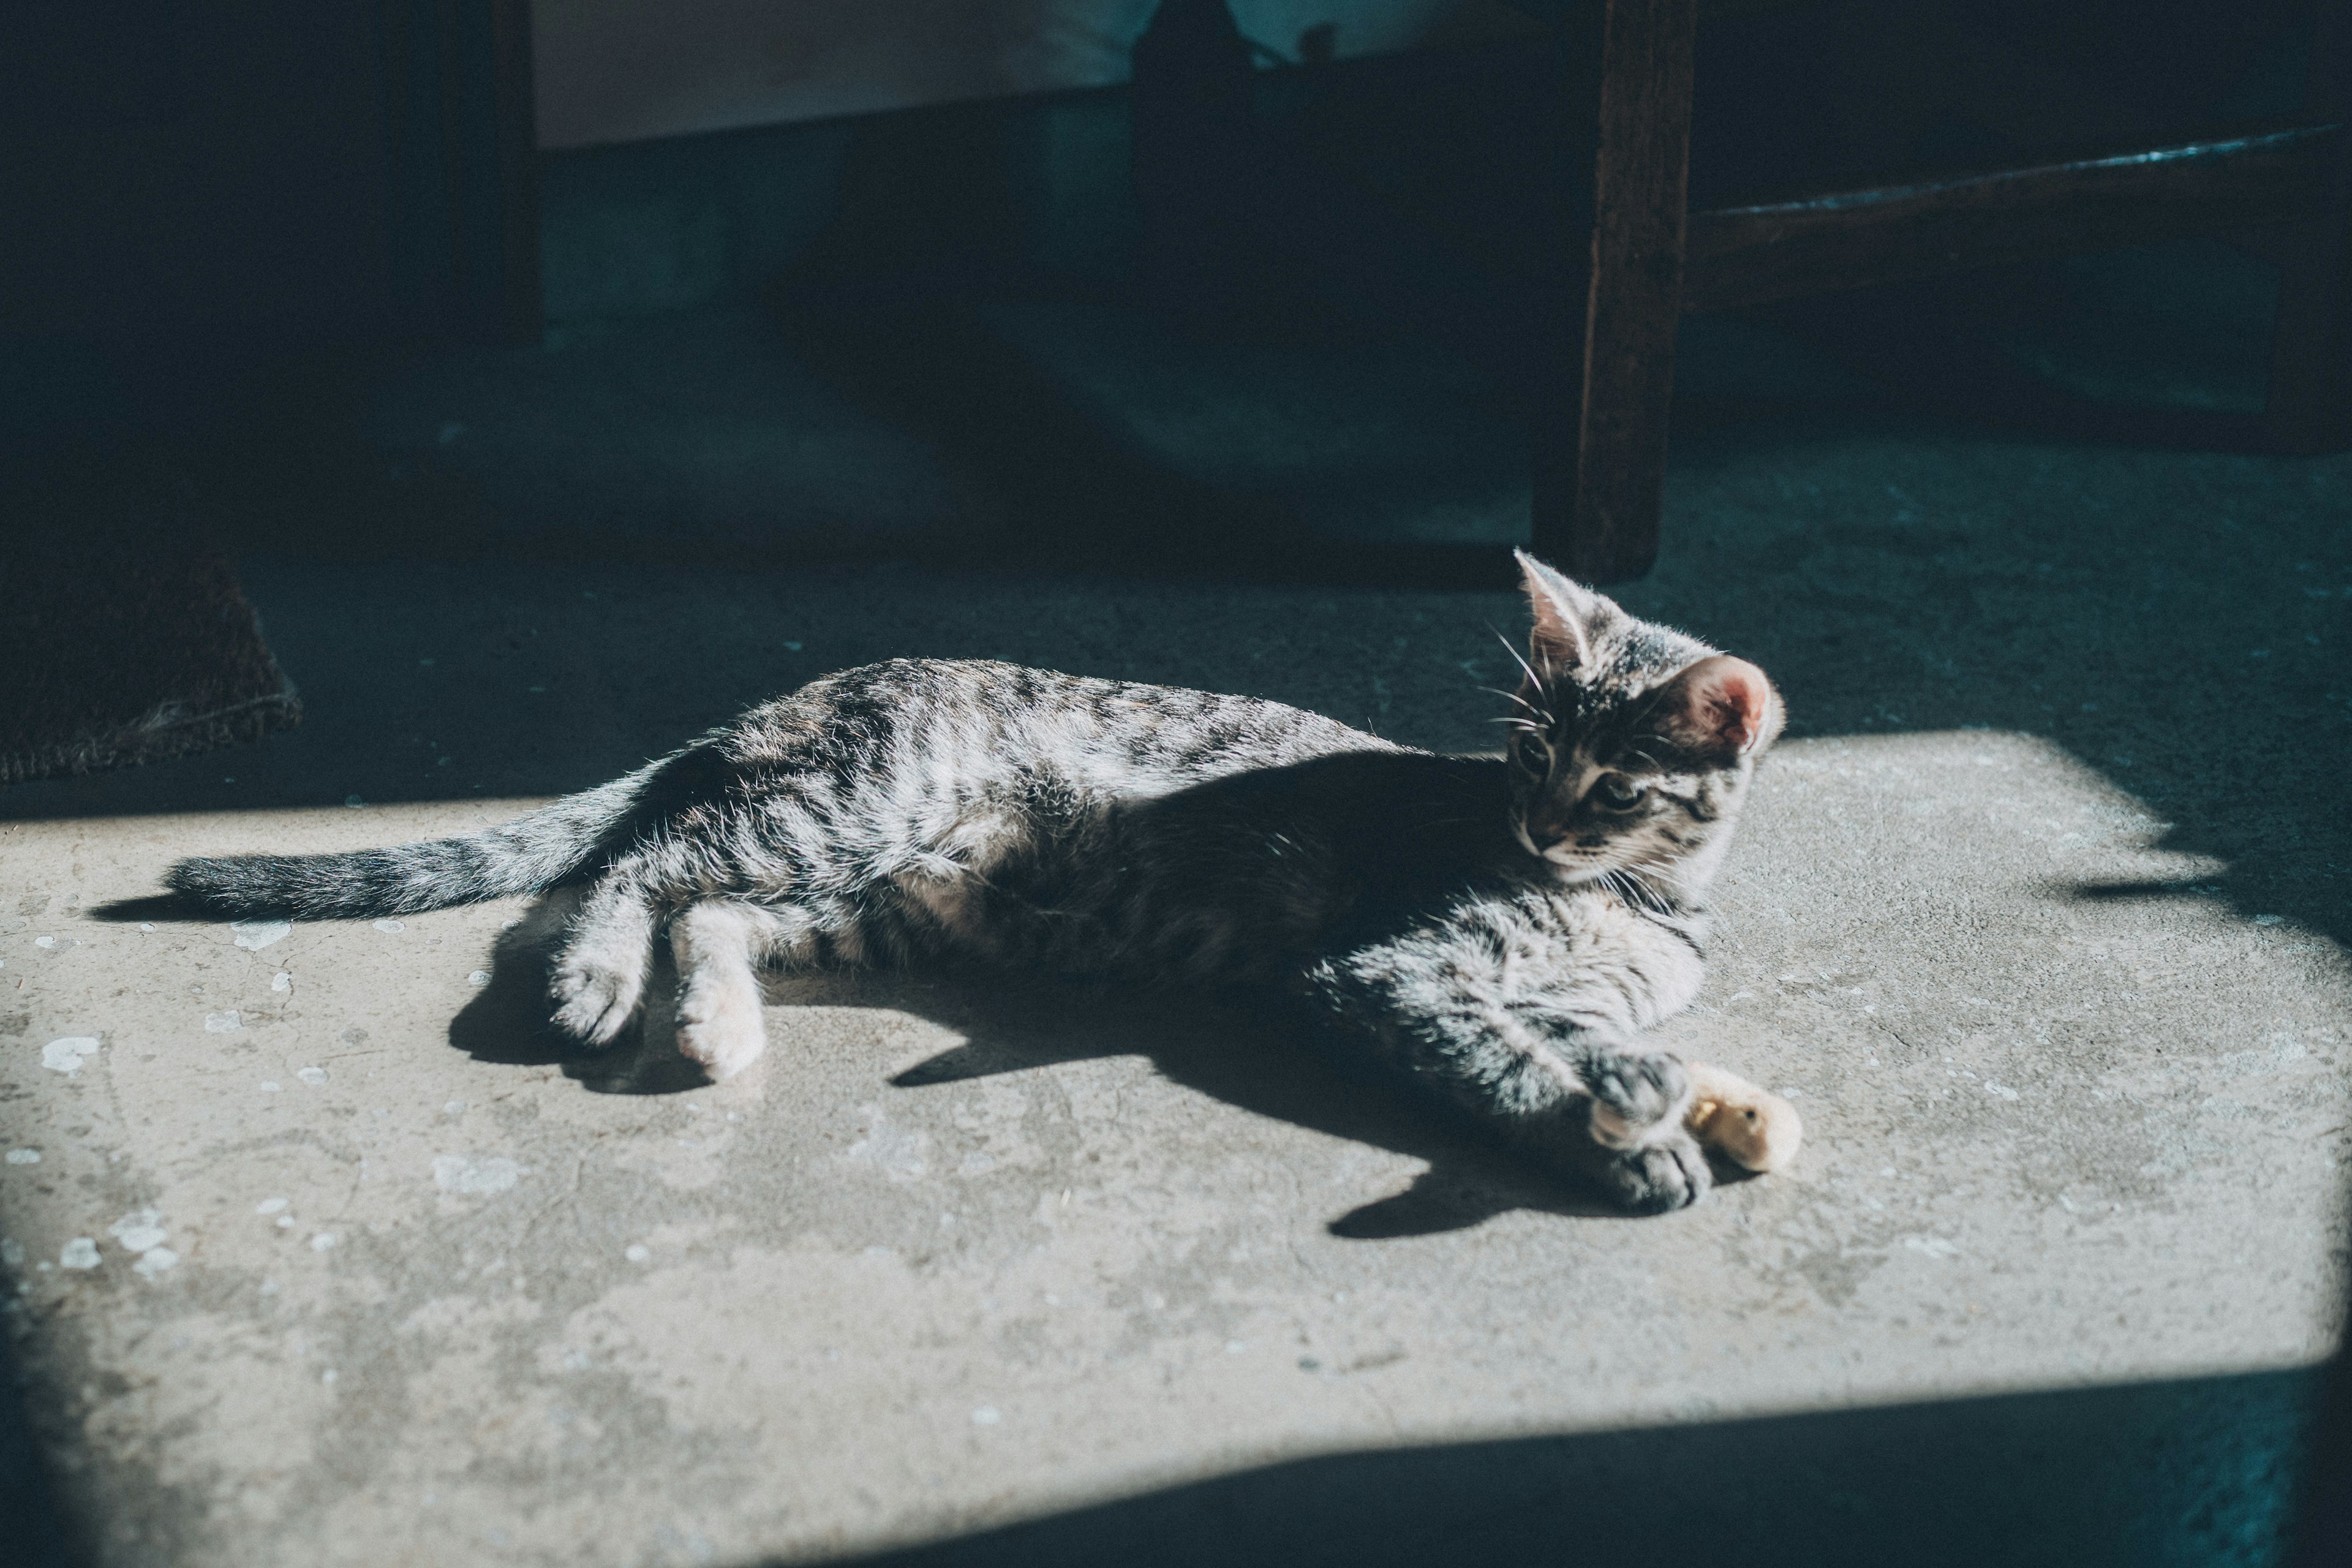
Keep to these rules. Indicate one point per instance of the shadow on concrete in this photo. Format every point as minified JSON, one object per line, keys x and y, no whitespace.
{"x":2200,"y":1471}
{"x":1260,"y":1058}
{"x":1255,"y":1059}
{"x":31,"y":1535}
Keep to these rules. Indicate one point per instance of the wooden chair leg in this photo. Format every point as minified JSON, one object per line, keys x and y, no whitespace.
{"x":2309,"y":407}
{"x":1599,"y":520}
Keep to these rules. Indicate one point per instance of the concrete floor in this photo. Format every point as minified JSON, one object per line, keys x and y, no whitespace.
{"x":324,"y":1255}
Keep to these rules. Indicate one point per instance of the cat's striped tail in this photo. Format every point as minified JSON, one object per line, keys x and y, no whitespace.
{"x":525,"y":856}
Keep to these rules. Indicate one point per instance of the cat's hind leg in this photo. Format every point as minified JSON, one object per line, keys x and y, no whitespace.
{"x":599,"y":978}
{"x":720,"y":944}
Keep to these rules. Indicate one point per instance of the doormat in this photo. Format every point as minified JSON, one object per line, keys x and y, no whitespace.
{"x":120,"y":646}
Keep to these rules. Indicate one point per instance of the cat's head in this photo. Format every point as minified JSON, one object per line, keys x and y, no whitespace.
{"x":1630,"y":743}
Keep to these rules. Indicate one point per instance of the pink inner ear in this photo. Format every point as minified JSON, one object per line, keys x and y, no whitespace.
{"x":1740,"y":698}
{"x":1728,"y":701}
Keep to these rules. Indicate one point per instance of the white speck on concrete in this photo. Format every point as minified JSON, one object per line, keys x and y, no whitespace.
{"x":81,"y":1252}
{"x":146,"y":925}
{"x":285,"y":1222}
{"x":314,"y":1076}
{"x":140,"y":1231}
{"x":986,"y":1415}
{"x":67,"y":1055}
{"x":321,"y":1242}
{"x":254,"y":935}
{"x":2268,"y":919}
{"x":270,"y":1205}
{"x":2002,"y":1089}
{"x":897,"y":1149}
{"x":271,"y":1086}
{"x":45,"y":942}
{"x":464,"y":1174}
{"x":154,"y":1261}
{"x":24,"y":1156}
{"x":637,"y":1252}
{"x":328,"y":1376}
{"x":390,"y":928}
{"x":1235,"y":1347}
{"x":479,"y":977}
{"x":227,"y":1022}
{"x":281,"y":981}
{"x":1933,"y":1246}
{"x":454,"y":1108}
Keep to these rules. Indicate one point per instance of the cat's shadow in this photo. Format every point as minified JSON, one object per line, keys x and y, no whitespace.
{"x":1223,"y":1046}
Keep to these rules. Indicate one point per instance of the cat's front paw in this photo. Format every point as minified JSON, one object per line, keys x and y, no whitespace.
{"x":1668,"y":1174}
{"x":1633,"y":1095}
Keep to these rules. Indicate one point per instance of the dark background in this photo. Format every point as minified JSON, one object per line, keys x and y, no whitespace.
{"x":255,"y":252}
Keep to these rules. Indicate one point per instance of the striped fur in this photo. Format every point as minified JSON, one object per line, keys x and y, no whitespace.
{"x":1502,"y":929}
{"x":525,"y":856}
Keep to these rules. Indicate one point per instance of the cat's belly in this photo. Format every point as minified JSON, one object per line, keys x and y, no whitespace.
{"x":1105,"y":918}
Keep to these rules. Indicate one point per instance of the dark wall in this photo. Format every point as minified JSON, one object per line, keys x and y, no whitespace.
{"x":192,"y":190}
{"x":188,"y":182}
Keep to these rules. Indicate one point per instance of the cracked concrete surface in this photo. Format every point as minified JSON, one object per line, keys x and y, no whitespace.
{"x":322,"y":1253}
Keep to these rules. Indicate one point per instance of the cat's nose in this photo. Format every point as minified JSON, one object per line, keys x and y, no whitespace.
{"x":1547,"y":827}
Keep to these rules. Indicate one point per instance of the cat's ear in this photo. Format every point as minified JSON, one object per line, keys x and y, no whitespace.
{"x":1568,"y":616}
{"x":1722,"y":708}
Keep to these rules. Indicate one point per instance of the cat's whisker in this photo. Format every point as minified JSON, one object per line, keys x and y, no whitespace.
{"x":1663,"y":890}
{"x":1514,"y":697}
{"x":1539,"y":683}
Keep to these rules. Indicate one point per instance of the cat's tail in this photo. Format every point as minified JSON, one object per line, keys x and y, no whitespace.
{"x":525,"y":856}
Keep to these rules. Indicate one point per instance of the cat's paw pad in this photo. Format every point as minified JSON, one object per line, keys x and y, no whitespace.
{"x":593,"y":1004}
{"x":724,"y":1035}
{"x":1632,"y":1095}
{"x":1658,"y":1177}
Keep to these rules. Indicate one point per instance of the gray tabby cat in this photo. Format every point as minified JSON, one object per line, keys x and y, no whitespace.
{"x":1501,"y":929}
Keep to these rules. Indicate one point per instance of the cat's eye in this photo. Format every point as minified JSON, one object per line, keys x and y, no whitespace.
{"x":1617,"y":792}
{"x":1535,"y":753}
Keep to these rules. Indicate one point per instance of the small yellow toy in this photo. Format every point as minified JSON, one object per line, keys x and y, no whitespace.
{"x":1749,"y":1126}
